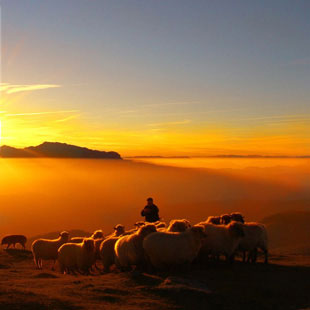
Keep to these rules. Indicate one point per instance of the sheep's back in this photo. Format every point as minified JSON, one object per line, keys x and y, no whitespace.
{"x":169,"y":247}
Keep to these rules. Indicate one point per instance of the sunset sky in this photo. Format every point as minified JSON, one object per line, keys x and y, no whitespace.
{"x":164,"y":77}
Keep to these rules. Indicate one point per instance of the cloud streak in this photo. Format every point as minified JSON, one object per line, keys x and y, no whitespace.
{"x":42,"y":113}
{"x":186,"y":121}
{"x":16,"y":88}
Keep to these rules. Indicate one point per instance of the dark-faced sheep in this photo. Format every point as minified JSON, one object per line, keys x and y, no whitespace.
{"x":14,"y":239}
{"x":237,"y":217}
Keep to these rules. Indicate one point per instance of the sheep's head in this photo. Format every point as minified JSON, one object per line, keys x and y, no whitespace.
{"x":64,"y":235}
{"x":146,"y":230}
{"x":198,"y":231}
{"x":97,"y":234}
{"x":237,"y":216}
{"x":89,"y":244}
{"x":119,"y":229}
{"x":216,"y":220}
{"x":179,"y":225}
{"x":139,"y":224}
{"x":225,"y":219}
{"x":236,"y":229}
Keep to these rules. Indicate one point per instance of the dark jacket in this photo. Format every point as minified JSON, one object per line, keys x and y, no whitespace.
{"x":150,"y":213}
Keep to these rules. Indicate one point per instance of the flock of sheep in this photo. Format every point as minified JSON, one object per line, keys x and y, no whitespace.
{"x":153,"y":245}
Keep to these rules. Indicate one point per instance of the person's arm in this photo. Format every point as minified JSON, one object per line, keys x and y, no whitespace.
{"x":142,"y":213}
{"x":155,"y":209}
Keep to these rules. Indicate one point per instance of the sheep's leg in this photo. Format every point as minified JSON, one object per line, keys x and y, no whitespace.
{"x":230,"y":258}
{"x":243,"y":256}
{"x":250,"y":256}
{"x":254,"y":256}
{"x":53,"y":267}
{"x":266,"y":256}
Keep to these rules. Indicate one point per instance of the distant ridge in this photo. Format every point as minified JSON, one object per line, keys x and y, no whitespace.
{"x":55,"y":150}
{"x":220,"y":156}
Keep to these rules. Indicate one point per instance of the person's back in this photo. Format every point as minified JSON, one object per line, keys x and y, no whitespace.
{"x":150,"y":211}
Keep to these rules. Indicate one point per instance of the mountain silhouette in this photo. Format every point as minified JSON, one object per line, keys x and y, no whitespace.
{"x":56,"y":150}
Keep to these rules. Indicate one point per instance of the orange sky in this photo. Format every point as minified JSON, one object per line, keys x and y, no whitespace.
{"x":150,"y":79}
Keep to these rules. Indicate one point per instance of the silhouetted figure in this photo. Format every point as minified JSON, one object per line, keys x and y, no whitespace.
{"x":150,"y":211}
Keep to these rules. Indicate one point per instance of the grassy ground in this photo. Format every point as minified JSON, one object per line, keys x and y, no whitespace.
{"x":283,"y":284}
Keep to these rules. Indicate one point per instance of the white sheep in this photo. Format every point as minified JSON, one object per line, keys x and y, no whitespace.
{"x":221,"y":239}
{"x":164,"y":249}
{"x":178,"y":225}
{"x":107,"y":252}
{"x":129,"y":250}
{"x":255,"y":237}
{"x":76,"y":256}
{"x":97,"y":234}
{"x":46,"y":249}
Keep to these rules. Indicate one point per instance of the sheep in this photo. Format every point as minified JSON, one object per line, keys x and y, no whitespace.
{"x":139,"y":224}
{"x":237,"y":217}
{"x":225,"y":219}
{"x":221,"y":239}
{"x":164,"y":249}
{"x":13,"y":239}
{"x":160,"y":224}
{"x":255,"y":236}
{"x":107,"y":253}
{"x":128,"y":249}
{"x":48,"y":249}
{"x":119,"y":229}
{"x":216,"y":220}
{"x":97,"y":234}
{"x":76,"y":256}
{"x":178,"y":225}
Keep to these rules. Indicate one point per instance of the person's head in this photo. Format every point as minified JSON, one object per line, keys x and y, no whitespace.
{"x":149,"y":201}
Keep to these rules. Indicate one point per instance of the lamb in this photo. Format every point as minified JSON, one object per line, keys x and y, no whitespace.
{"x":164,"y":249}
{"x":46,"y":249}
{"x":222,"y":239}
{"x":225,"y":219}
{"x":97,"y":234}
{"x":237,"y":217}
{"x":76,"y":256}
{"x":13,"y":239}
{"x":107,"y":253}
{"x":129,"y":250}
{"x":178,"y":225}
{"x":216,"y":220}
{"x":255,"y":237}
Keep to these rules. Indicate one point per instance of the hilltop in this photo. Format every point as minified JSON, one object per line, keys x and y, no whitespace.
{"x":56,"y":150}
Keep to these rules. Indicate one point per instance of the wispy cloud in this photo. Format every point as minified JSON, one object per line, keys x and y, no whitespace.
{"x":16,"y":88}
{"x":42,"y":113}
{"x":186,"y":121}
{"x":66,"y":118}
{"x":155,"y":105}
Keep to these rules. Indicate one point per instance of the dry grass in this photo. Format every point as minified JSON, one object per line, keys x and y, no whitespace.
{"x":284,"y":284}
